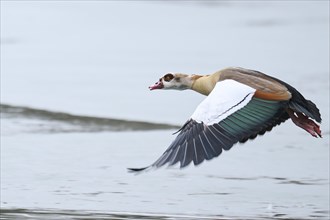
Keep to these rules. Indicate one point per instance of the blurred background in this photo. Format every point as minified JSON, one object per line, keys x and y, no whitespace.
{"x":94,"y":61}
{"x":98,"y":58}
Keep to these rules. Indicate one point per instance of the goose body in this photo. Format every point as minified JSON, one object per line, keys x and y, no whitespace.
{"x":240,"y":105}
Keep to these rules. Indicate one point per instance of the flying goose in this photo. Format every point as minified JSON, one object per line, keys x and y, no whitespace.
{"x":240,"y":105}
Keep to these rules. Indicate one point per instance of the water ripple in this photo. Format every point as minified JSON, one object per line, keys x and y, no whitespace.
{"x":280,"y":180}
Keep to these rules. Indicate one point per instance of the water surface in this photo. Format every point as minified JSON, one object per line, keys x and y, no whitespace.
{"x":76,"y":111}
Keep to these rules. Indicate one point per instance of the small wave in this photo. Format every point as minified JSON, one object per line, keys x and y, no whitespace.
{"x":54,"y":214}
{"x":51,"y":121}
{"x":279,"y":180}
{"x":17,"y":213}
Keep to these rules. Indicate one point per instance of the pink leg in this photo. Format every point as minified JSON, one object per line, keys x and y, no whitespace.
{"x":305,"y":123}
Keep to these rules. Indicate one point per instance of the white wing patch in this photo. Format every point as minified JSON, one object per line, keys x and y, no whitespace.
{"x":227,"y":97}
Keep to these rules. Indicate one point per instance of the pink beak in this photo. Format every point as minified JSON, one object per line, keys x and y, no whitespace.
{"x":157,"y":85}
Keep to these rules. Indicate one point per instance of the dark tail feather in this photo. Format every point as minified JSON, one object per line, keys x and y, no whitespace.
{"x":315,"y":111}
{"x":300,"y":104}
{"x":308,"y":108}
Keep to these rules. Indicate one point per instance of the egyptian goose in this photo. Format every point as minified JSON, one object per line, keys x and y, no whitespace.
{"x":240,"y":105}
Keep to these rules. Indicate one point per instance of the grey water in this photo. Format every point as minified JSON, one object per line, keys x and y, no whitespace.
{"x":76,"y":111}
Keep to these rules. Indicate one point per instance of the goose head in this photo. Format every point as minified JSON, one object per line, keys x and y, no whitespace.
{"x":176,"y":81}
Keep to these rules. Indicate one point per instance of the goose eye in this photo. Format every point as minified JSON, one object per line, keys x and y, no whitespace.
{"x":168,"y":77}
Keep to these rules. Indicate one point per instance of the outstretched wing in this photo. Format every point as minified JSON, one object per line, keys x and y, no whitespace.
{"x":230,"y":114}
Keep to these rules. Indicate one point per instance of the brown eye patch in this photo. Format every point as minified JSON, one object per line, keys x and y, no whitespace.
{"x":168,"y":77}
